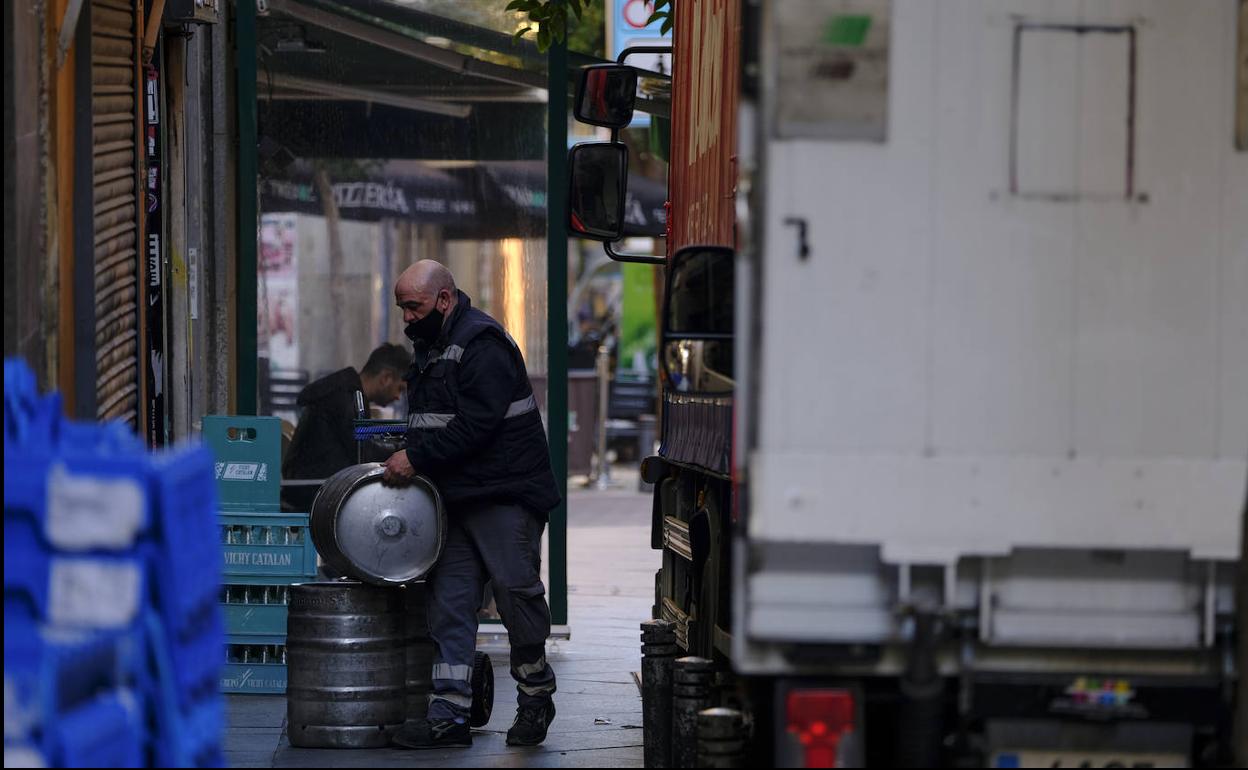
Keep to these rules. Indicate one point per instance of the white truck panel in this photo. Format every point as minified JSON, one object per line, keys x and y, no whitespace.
{"x":935,"y":510}
{"x":959,"y":370}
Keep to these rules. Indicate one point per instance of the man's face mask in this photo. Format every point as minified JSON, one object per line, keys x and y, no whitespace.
{"x":428,"y":328}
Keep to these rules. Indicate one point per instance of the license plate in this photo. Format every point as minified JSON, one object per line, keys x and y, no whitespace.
{"x":1088,"y":759}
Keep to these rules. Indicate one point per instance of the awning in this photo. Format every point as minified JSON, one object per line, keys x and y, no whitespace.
{"x":483,"y":201}
{"x":417,"y":193}
{"x":392,"y":53}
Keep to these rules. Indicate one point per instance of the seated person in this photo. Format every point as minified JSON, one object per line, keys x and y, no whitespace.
{"x":324,"y":441}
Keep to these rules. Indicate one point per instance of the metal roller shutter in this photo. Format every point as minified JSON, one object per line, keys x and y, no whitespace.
{"x":114,"y":107}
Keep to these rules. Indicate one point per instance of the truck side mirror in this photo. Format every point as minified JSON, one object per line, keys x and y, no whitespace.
{"x":700,"y":294}
{"x":599,"y":176}
{"x":697,"y":354}
{"x":605,"y":95}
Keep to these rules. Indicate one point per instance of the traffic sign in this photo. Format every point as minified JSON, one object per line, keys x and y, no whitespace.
{"x":628,"y":29}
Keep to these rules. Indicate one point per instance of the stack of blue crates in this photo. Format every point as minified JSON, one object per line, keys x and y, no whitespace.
{"x":264,"y":551}
{"x":111,"y":578}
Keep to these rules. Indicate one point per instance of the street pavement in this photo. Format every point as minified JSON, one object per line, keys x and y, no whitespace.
{"x":610,"y":592}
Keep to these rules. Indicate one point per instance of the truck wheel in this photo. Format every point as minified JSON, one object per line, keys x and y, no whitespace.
{"x":482,"y":690}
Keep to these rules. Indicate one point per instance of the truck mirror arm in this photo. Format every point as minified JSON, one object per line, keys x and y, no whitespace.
{"x":640,"y":259}
{"x":632,"y":49}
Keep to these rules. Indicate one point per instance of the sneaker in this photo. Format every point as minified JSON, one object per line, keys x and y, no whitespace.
{"x":530,"y":726}
{"x":432,"y":734}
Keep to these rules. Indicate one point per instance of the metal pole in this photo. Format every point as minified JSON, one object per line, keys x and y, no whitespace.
{"x":604,"y":388}
{"x":246,"y":200}
{"x":217,"y":262}
{"x":658,"y":653}
{"x":557,"y":320}
{"x":691,"y":695}
{"x":721,"y":738}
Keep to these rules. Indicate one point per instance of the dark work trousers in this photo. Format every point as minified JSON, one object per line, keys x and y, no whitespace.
{"x":501,"y":542}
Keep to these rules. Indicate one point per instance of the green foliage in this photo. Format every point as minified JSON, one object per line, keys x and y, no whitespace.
{"x":663,"y":10}
{"x":553,"y":19}
{"x":588,"y":34}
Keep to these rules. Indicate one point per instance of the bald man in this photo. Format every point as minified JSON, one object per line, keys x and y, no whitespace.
{"x":474,"y":429}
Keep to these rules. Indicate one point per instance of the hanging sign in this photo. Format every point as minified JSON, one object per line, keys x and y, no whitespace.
{"x":153,"y":263}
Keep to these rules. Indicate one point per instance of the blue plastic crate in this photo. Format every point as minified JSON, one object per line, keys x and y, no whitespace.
{"x":204,"y":726}
{"x":85,"y":591}
{"x":187,"y":723}
{"x":191,"y":738}
{"x":167,"y":546}
{"x":79,"y":503}
{"x":189,"y":658}
{"x":53,"y":670}
{"x":264,"y":545}
{"x":184,"y":495}
{"x":60,"y":686}
{"x":30,"y":421}
{"x":24,"y":753}
{"x":107,"y":731}
{"x":196,"y":663}
{"x":26,"y":484}
{"x":251,"y":668}
{"x":19,"y":382}
{"x":184,"y":499}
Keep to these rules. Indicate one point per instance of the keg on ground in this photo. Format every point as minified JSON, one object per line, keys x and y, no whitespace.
{"x":346,"y":650}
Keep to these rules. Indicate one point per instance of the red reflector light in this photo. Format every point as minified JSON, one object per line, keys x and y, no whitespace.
{"x":819,"y":719}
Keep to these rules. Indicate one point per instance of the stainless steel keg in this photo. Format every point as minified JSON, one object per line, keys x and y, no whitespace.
{"x":382,"y":535}
{"x":346,"y":665}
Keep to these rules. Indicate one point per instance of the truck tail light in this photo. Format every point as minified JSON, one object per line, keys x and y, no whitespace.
{"x":818,"y":720}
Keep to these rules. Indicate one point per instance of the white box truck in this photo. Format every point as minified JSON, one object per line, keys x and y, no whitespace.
{"x":955,"y":350}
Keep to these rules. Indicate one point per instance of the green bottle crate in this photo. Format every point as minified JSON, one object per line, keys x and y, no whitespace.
{"x":267,"y":547}
{"x":248,"y":454}
{"x":254,"y":666}
{"x":255,"y":609}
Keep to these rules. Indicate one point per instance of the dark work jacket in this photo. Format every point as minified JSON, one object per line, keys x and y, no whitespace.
{"x":324,"y":440}
{"x":473,"y":423}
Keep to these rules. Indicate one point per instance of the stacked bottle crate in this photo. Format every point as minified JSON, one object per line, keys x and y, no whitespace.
{"x":264,"y":551}
{"x":110,"y":587}
{"x":74,"y":698}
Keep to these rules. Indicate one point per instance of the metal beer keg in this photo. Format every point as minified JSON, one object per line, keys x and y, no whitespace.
{"x":347,"y":669}
{"x":383,"y":535}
